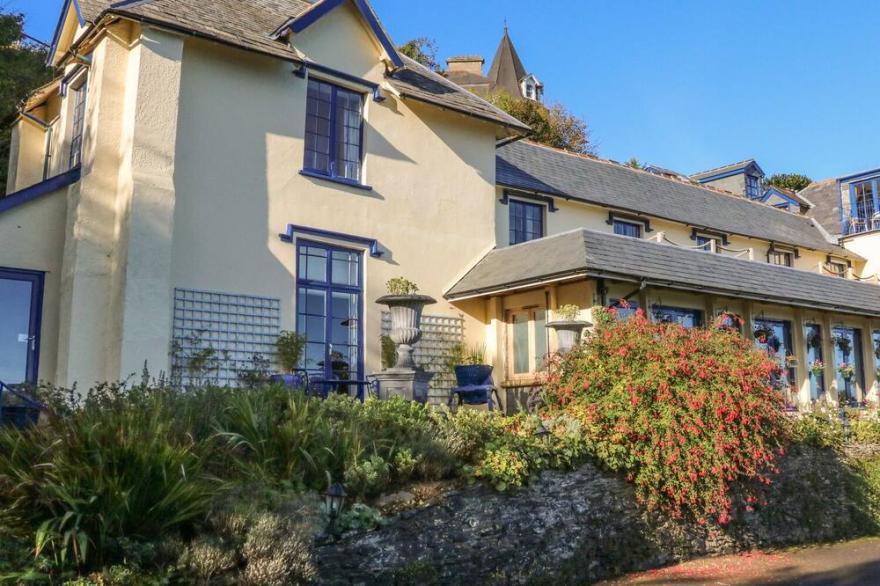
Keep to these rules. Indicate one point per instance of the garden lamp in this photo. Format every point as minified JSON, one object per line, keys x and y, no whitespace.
{"x":334,"y":498}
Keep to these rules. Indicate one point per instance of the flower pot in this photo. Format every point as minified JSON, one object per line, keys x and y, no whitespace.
{"x":568,"y":333}
{"x":406,"y":320}
{"x":467,"y":375}
{"x":292,"y":380}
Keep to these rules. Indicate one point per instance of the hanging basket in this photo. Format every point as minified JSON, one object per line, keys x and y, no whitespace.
{"x":763,"y":334}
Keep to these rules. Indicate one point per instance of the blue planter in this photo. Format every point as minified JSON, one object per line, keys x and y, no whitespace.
{"x":292,"y":380}
{"x":472,"y":375}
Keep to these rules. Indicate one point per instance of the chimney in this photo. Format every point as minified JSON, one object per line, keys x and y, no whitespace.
{"x":466,"y":64}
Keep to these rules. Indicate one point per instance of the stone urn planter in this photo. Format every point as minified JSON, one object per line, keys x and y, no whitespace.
{"x":406,"y":319}
{"x":568,"y":333}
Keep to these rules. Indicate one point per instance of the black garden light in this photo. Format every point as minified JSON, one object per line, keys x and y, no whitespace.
{"x":334,"y":499}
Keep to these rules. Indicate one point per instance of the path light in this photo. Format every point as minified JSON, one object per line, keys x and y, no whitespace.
{"x":542,"y":432}
{"x":334,"y":499}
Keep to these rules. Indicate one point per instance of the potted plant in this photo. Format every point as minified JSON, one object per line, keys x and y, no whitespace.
{"x":847,"y":372}
{"x":289,"y":347}
{"x":469,"y":364}
{"x":817,"y":368}
{"x":567,"y":326}
{"x":762,"y":333}
{"x":843,"y":343}
{"x":405,"y":305}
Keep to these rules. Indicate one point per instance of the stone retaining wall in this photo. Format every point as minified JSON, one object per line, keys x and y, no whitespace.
{"x":582,"y":526}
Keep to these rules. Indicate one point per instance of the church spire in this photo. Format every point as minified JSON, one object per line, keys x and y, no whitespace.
{"x":507,"y":70}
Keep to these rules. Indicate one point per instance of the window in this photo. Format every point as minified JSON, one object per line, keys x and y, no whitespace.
{"x":753,"y":187}
{"x":624,"y":228}
{"x":689,"y":318}
{"x":527,"y":334}
{"x":837,"y":269}
{"x":328,"y":309}
{"x":815,"y":359}
{"x":774,"y":337}
{"x":708,"y":243}
{"x":78,"y":124}
{"x":846,"y":344}
{"x":781,"y":257}
{"x":334,"y":128}
{"x":624,"y":309}
{"x":526,"y":221}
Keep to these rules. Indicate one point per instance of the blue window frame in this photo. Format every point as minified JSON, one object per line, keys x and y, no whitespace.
{"x":775,"y":338}
{"x":21,"y":303}
{"x":753,"y":187}
{"x":78,"y":124}
{"x":624,"y":228}
{"x":334,"y":131}
{"x":689,"y":318}
{"x":329,"y":310}
{"x":813,"y":338}
{"x":705,"y":243}
{"x":526,"y":221}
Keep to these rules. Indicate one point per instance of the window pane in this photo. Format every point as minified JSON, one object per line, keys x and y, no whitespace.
{"x":15,"y":314}
{"x":627,"y":229}
{"x":689,"y":318}
{"x":813,"y":338}
{"x":520,"y":341}
{"x":540,"y":338}
{"x":318,"y":115}
{"x":345,"y":268}
{"x":78,"y":124}
{"x":526,"y":221}
{"x":847,"y":346}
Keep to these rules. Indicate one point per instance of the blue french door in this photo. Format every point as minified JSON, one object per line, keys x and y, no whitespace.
{"x":328,"y":310}
{"x":21,"y":301}
{"x":847,"y":346}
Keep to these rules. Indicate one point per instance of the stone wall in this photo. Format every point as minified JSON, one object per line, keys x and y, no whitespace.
{"x":583,"y":526}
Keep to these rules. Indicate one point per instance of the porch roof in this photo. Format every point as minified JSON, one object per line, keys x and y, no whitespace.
{"x":585,"y":253}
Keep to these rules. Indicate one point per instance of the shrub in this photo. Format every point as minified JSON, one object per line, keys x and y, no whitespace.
{"x":683,"y":413}
{"x":290,"y":347}
{"x":569,"y":312}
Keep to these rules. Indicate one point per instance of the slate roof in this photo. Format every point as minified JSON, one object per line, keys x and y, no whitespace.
{"x":825,"y":197}
{"x":537,"y":168}
{"x":731,"y":168}
{"x":250,"y":24}
{"x":586,"y":253}
{"x":420,"y":83}
{"x":507,"y":69}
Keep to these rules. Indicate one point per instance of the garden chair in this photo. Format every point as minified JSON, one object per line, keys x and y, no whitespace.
{"x":22,"y":411}
{"x":481,"y":394}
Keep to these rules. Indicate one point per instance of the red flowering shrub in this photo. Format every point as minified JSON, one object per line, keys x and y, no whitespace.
{"x":684,"y":413}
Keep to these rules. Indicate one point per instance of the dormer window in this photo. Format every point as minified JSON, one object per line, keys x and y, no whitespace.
{"x":781,"y":256}
{"x":753,"y":187}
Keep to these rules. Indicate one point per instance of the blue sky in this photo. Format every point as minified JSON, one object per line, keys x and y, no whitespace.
{"x":687,"y":84}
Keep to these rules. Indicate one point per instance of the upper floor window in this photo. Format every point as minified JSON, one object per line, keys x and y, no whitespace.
{"x":863,"y":194}
{"x":526,"y":221}
{"x":837,"y":269}
{"x":334,"y":131}
{"x":624,"y":228}
{"x":708,"y":243}
{"x":77,"y":125}
{"x":753,"y":187}
{"x":784,"y":258}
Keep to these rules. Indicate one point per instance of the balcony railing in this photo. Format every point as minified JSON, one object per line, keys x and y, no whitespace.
{"x":858,"y":225}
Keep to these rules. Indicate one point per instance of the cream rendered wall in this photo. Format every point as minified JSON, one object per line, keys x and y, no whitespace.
{"x":238,"y":156}
{"x":868,"y":246}
{"x":572,"y":215}
{"x":32,"y":238}
{"x":27,"y":153}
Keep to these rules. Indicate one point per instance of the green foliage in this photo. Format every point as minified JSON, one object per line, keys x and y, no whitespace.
{"x":422,"y":50}
{"x":634,"y":163}
{"x":683,"y":413}
{"x":388,"y":351}
{"x":820,"y":429}
{"x":568,"y":312}
{"x":290,"y":347}
{"x":360,"y":517}
{"x":401,"y":286}
{"x":460,"y":354}
{"x":22,"y":69}
{"x":791,"y":181}
{"x":554,"y":126}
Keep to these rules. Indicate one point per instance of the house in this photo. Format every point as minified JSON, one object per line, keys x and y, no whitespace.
{"x":202,"y":179}
{"x":507,"y":73}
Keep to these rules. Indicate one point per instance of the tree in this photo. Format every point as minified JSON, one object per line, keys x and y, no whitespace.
{"x":423,"y":50}
{"x":791,"y":181}
{"x":554,"y":125}
{"x":634,"y":163}
{"x":22,"y":68}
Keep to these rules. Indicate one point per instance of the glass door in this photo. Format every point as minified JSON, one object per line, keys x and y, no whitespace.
{"x":21,"y":299}
{"x":774,"y":338}
{"x":847,"y":346}
{"x":329,"y":311}
{"x":815,"y":360}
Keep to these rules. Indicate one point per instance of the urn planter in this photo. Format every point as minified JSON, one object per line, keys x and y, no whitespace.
{"x":406,"y":320}
{"x":568,"y":333}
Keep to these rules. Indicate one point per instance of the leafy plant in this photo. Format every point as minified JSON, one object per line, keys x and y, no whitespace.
{"x":290,"y":346}
{"x":847,"y":371}
{"x":568,"y":312}
{"x":460,"y":354}
{"x":388,"y":351}
{"x":684,"y":413}
{"x":817,"y":368}
{"x":401,"y":286}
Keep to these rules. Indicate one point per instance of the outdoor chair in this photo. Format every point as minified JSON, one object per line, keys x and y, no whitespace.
{"x":481,"y":394}
{"x":18,"y":409}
